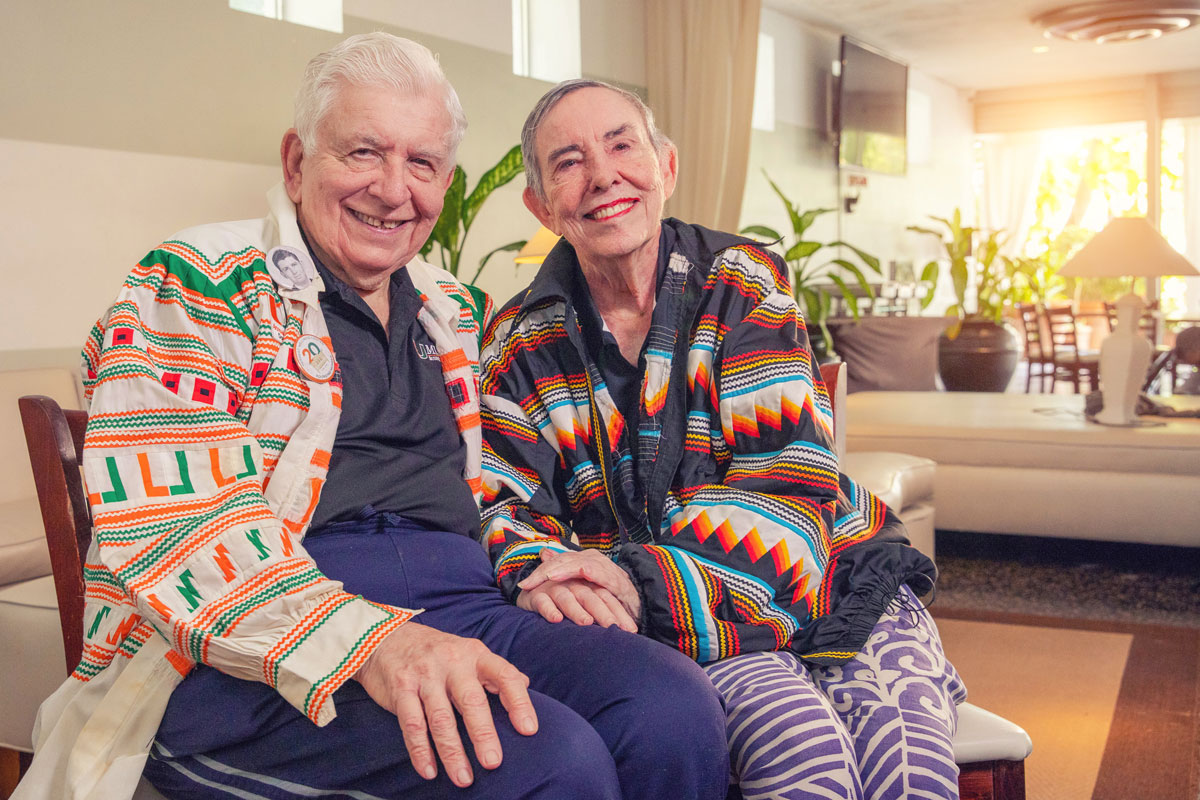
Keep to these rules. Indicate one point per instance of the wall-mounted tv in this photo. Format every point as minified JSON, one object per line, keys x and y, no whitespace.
{"x":870,"y":115}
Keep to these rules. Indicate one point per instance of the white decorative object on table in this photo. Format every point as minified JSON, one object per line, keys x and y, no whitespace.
{"x":1124,"y":361}
{"x":1127,"y":247}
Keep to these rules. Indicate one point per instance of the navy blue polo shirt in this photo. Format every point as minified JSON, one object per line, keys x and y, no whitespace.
{"x":397,"y":448}
{"x":624,"y":380}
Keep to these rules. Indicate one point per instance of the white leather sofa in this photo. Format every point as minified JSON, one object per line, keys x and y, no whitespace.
{"x":32,"y":664}
{"x":1033,"y":465}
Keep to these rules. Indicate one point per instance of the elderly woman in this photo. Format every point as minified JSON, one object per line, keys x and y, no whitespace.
{"x":659,"y":457}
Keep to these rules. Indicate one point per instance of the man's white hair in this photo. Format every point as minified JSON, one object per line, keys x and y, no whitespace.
{"x":372,"y":59}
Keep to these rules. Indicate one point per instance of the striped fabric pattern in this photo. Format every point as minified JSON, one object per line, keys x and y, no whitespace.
{"x":878,"y":727}
{"x":204,"y":458}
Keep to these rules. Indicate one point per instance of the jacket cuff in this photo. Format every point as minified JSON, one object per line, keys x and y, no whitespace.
{"x":326,"y":648}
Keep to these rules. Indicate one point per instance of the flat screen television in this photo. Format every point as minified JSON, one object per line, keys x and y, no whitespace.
{"x":870,"y":115}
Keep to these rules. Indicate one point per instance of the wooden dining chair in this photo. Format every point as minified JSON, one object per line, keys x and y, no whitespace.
{"x":1147,"y":322}
{"x":1039,"y":351}
{"x":1080,"y":367}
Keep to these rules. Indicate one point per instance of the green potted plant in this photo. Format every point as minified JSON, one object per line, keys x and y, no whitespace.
{"x":813,"y":276}
{"x":980,"y":350}
{"x":460,"y":210}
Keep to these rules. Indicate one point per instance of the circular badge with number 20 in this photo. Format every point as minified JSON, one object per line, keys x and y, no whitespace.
{"x":314,"y":358}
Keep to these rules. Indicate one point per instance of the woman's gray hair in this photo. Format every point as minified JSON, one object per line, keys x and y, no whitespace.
{"x":372,"y":59}
{"x":533,"y":170}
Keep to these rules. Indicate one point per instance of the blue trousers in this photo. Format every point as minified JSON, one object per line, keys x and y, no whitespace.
{"x":619,"y":716}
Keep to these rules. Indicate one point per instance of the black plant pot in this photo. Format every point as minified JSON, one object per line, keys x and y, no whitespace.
{"x":982,"y":358}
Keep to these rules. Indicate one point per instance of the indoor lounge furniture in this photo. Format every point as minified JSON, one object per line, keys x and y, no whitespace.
{"x":989,"y":749}
{"x":1039,"y":351}
{"x":31,"y":658}
{"x":1035,"y":465}
{"x":1080,"y":367}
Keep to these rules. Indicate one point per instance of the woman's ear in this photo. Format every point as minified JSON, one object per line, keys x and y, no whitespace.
{"x":539,"y":209}
{"x":668,"y":161}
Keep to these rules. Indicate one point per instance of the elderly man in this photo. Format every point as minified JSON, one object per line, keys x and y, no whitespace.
{"x":658,"y":455}
{"x":281,"y":478}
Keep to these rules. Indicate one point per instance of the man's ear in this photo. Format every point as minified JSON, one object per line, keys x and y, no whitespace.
{"x":539,"y":209}
{"x":669,"y":164}
{"x":291,"y":154}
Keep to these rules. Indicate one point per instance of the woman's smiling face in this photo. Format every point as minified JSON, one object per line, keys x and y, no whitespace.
{"x":604,"y":181}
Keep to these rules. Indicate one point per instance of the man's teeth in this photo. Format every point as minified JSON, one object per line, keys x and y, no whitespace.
{"x":610,"y":211}
{"x":375,"y":222}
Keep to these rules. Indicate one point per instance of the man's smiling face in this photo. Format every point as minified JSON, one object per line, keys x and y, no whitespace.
{"x":605,"y":184}
{"x":370,"y":189}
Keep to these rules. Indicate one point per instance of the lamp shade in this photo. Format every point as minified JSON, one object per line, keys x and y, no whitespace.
{"x":538,"y":247}
{"x":1127,"y":247}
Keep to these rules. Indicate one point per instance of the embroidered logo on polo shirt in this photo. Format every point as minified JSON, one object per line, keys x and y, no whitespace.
{"x":426,"y":351}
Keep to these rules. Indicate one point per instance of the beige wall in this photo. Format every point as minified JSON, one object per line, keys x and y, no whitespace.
{"x":798,"y":155}
{"x":126,"y":120}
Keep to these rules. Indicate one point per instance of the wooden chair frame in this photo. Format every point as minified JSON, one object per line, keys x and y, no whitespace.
{"x":1071,"y":363}
{"x":55,"y":440}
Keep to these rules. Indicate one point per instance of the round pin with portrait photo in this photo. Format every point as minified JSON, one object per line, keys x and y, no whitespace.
{"x":291,"y":268}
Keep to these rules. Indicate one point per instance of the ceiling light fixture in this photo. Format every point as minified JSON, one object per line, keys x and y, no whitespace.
{"x":1125,"y":21}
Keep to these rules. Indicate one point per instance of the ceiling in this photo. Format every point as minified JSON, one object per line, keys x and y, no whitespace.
{"x":988,"y":44}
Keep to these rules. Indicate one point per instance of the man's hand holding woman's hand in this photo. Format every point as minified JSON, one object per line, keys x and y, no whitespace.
{"x":423,"y":675}
{"x":582,"y":586}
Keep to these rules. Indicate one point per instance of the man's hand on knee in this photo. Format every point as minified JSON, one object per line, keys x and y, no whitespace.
{"x":423,"y":675}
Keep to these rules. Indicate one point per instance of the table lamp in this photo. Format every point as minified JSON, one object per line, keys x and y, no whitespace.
{"x":1127,"y":247}
{"x":538,"y":247}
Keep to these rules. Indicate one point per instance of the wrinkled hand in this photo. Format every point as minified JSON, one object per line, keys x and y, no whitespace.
{"x":579,"y":601}
{"x":422,"y":675}
{"x":585,"y":586}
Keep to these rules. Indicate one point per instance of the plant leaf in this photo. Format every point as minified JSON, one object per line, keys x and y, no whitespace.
{"x":507,"y":168}
{"x":793,"y":214}
{"x":801,"y":250}
{"x":853,"y":270}
{"x":808,"y":217}
{"x":868,"y":259}
{"x":446,"y":231}
{"x":769,"y":234}
{"x":511,"y":247}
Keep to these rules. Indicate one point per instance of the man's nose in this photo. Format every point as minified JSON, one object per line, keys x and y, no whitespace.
{"x":391,"y":185}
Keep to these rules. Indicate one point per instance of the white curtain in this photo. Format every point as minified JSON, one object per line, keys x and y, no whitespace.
{"x":1191,"y":208}
{"x":700,"y":62}
{"x":1012,"y":164}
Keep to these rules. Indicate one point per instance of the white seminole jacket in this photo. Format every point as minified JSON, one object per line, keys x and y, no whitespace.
{"x":206,"y":450}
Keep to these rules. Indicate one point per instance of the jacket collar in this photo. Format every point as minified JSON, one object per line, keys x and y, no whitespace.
{"x":558,"y":276}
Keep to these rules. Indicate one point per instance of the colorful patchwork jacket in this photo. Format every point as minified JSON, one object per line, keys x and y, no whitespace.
{"x":206,"y":450}
{"x":723,"y":500}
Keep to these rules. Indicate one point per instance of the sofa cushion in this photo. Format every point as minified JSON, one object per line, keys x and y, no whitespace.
{"x":16,"y":477}
{"x":23,"y":551}
{"x":1019,"y":431}
{"x":31,"y":660}
{"x":898,"y":479}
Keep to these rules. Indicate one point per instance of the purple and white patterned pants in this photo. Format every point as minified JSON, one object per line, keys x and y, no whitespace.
{"x":878,"y":726}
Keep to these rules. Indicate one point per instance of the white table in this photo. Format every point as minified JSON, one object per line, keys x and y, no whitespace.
{"x":1032,"y":464}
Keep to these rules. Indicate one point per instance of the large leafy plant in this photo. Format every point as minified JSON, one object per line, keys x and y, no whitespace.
{"x":978,"y":272}
{"x":813,"y":274}
{"x":460,"y":210}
